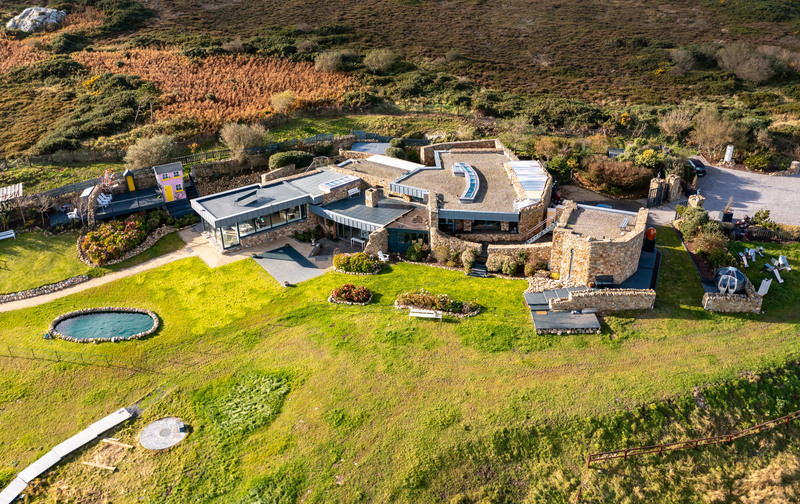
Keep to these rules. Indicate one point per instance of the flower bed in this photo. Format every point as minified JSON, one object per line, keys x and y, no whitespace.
{"x":55,"y":334}
{"x":113,"y":239}
{"x":425,"y":300}
{"x":351,"y":295}
{"x":358,"y":263}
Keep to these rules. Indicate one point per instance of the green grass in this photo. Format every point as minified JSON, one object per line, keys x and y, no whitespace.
{"x":398,"y":125}
{"x":33,"y":259}
{"x":40,"y":178}
{"x":380,"y":407}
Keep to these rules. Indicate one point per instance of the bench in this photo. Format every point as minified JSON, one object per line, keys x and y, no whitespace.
{"x":354,"y":241}
{"x":353,"y":192}
{"x":431,"y":314}
{"x":8,"y":234}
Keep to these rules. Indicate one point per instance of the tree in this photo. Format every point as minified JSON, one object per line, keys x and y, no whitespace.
{"x":147,"y":95}
{"x":675,"y":122}
{"x":239,"y":137}
{"x":329,"y":61}
{"x":283,"y":102}
{"x":517,"y":129}
{"x":712,"y":132}
{"x":43,"y":202}
{"x":151,"y":151}
{"x":380,"y":60}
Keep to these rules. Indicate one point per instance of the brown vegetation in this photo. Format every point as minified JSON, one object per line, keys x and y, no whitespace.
{"x":219,"y":89}
{"x":15,"y":53}
{"x":615,"y":174}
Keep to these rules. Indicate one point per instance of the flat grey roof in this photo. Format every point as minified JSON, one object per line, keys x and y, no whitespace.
{"x":380,"y":170}
{"x":554,"y":321}
{"x":168,"y":168}
{"x":496,"y":192}
{"x":355,"y":213}
{"x":600,"y":223}
{"x":248,"y":202}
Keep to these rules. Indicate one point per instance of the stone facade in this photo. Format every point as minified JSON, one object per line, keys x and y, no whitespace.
{"x":378,"y":242}
{"x":426,"y":153}
{"x":437,"y":238}
{"x":538,"y":253}
{"x":749,"y":302}
{"x":606,"y":300}
{"x":582,"y":259}
{"x":371,"y":197}
{"x":286,"y":231}
{"x":674,"y":187}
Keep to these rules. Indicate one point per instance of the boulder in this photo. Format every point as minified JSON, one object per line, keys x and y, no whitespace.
{"x":36,"y":19}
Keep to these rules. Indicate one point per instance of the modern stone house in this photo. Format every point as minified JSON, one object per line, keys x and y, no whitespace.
{"x":591,"y":241}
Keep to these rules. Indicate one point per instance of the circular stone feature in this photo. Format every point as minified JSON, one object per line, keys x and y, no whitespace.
{"x":163,"y":434}
{"x":104,"y":324}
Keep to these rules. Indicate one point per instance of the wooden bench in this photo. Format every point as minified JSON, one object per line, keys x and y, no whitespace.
{"x":8,"y":234}
{"x":431,"y":314}
{"x":353,"y":192}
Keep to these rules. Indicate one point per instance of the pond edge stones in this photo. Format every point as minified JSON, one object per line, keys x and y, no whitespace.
{"x":108,"y":309}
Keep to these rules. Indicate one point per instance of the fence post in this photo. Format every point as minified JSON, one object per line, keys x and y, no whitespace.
{"x":9,"y":351}
{"x":58,"y":359}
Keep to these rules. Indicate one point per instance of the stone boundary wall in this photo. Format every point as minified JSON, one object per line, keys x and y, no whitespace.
{"x":607,"y":300}
{"x":349,"y":154}
{"x":750,"y":302}
{"x":427,"y":156}
{"x":491,"y":237}
{"x":53,"y":333}
{"x":225,"y":167}
{"x":45,"y":289}
{"x":206,"y":186}
{"x":538,"y":253}
{"x":148,"y":242}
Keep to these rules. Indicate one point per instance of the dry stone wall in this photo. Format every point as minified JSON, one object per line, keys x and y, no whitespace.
{"x":287,"y":231}
{"x":537,"y":253}
{"x":607,"y":300}
{"x":45,"y":289}
{"x":438,"y":238}
{"x":378,"y":242}
{"x":749,"y":302}
{"x":427,"y":156}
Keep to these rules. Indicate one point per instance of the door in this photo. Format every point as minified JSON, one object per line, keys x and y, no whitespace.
{"x":168,"y":193}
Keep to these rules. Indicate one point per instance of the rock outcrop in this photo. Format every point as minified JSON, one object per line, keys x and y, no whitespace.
{"x":36,"y":19}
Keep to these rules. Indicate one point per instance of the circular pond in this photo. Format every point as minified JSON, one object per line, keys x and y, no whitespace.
{"x":104,"y":324}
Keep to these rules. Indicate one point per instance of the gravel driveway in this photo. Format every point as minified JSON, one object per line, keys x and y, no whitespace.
{"x":751,"y":192}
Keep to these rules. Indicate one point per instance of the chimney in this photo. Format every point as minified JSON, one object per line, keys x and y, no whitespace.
{"x":371,"y":197}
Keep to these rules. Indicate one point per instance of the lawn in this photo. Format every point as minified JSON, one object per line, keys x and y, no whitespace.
{"x":33,"y":259}
{"x":40,"y":178}
{"x":379,"y":407}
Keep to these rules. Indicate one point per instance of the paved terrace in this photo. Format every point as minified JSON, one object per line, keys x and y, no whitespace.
{"x":496,"y":192}
{"x":599,"y":223}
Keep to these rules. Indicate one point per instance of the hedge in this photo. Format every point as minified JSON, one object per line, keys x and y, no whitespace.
{"x":300,"y":159}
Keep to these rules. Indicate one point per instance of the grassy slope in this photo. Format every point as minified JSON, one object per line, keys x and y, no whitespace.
{"x":33,"y":259}
{"x":39,"y":178}
{"x":392,"y":406}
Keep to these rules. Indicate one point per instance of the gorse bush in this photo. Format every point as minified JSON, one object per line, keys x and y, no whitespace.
{"x":510,"y":267}
{"x":356,"y":263}
{"x":442,"y":302}
{"x":151,"y":151}
{"x":441,"y":253}
{"x":692,"y":220}
{"x":395,"y":152}
{"x":415,"y":252}
{"x":300,"y":159}
{"x":380,"y":60}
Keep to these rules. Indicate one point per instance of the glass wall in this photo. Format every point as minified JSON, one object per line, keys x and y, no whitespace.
{"x":230,"y":238}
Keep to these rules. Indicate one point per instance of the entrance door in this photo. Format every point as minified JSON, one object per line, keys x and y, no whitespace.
{"x":169,"y":196}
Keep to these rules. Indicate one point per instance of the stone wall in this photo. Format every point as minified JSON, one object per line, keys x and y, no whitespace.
{"x":378,"y":241}
{"x":618,"y":257}
{"x":607,"y":300}
{"x":371,"y":180}
{"x":206,"y":186}
{"x":437,"y":238}
{"x":276,"y":234}
{"x":538,"y":253}
{"x":488,"y":237}
{"x":749,"y":302}
{"x":349,"y":154}
{"x":45,"y":289}
{"x":674,"y":187}
{"x":341,"y":193}
{"x":426,"y":153}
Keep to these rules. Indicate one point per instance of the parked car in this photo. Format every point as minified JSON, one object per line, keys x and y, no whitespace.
{"x":698,"y":167}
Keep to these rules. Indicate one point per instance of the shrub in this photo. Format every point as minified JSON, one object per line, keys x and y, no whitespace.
{"x":414,"y":252}
{"x":380,"y":60}
{"x":746,"y":63}
{"x":239,"y":137}
{"x":329,"y":61}
{"x":710,"y":240}
{"x":282,"y":102}
{"x":351,"y":293}
{"x":530,"y":270}
{"x":114,"y":239}
{"x":559,"y":167}
{"x":396,"y":152}
{"x":300,"y":159}
{"x":151,"y":151}
{"x":675,"y":122}
{"x":618,"y":174}
{"x":309,"y":234}
{"x":397,"y":142}
{"x":494,"y":262}
{"x":426,"y":300}
{"x":356,"y":263}
{"x":712,"y":132}
{"x":441,"y":253}
{"x":468,"y":259}
{"x":691,"y":221}
{"x":757,"y":162}
{"x":648,"y":159}
{"x":510,"y":267}
{"x":306,"y":46}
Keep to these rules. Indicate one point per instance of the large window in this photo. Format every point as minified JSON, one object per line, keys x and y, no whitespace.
{"x":263,"y":223}
{"x":246,"y":228}
{"x":230,"y":237}
{"x":293,"y":214}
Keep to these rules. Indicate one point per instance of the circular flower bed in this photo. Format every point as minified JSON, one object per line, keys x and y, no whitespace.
{"x":351,"y":295}
{"x":425,"y":300}
{"x":358,"y":263}
{"x":52,"y":332}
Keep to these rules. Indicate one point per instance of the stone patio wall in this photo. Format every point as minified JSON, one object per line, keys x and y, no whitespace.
{"x":749,"y":302}
{"x":607,"y":300}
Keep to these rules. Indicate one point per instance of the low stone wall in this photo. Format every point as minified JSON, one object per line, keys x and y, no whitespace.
{"x":750,"y":302}
{"x":607,"y":300}
{"x":538,"y":253}
{"x":426,"y":153}
{"x":148,"y":242}
{"x":378,"y":241}
{"x":45,"y":289}
{"x":333,"y":300}
{"x":286,"y":231}
{"x":349,"y":154}
{"x":437,"y":238}
{"x":491,"y":237}
{"x":206,"y":186}
{"x":400,"y":306}
{"x":55,"y":334}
